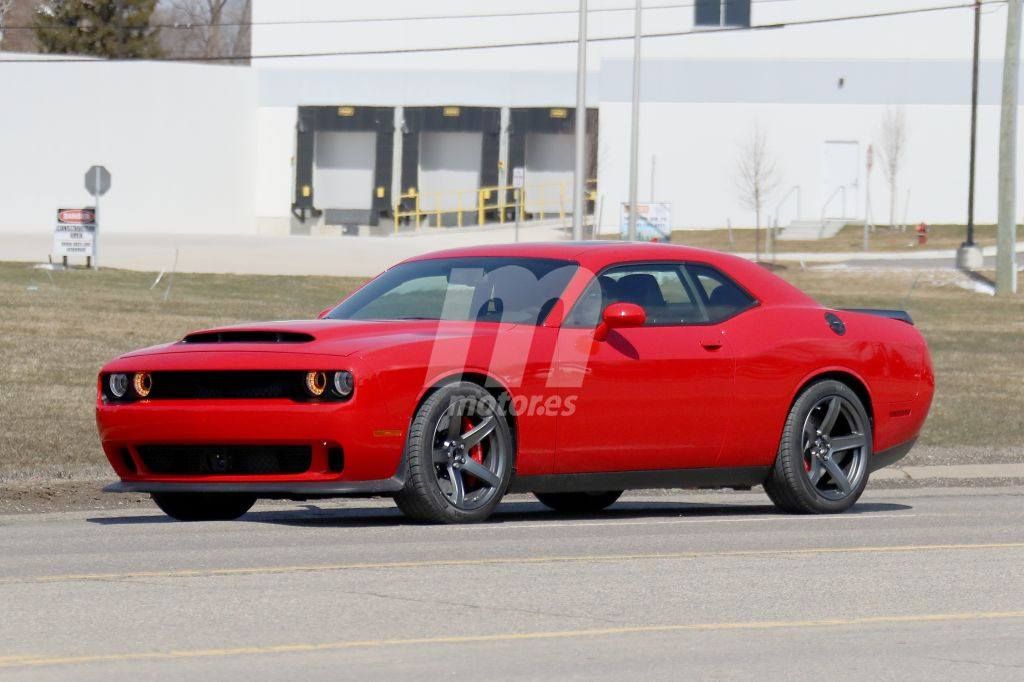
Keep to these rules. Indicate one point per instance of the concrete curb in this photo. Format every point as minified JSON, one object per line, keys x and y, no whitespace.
{"x":950,"y":472}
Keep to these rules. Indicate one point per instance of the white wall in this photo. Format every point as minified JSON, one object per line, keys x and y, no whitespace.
{"x":699,"y":146}
{"x":178,"y":139}
{"x":274,"y":168}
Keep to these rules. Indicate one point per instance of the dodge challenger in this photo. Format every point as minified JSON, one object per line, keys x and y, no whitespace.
{"x":573,"y":371}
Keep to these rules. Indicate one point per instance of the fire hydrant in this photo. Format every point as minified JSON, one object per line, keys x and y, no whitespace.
{"x":922,"y":234}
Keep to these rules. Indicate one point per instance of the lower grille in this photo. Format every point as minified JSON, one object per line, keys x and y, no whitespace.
{"x":226,"y":460}
{"x":231,"y":384}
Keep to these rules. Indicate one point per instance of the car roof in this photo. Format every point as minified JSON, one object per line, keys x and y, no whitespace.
{"x":597,"y":255}
{"x":584,"y":252}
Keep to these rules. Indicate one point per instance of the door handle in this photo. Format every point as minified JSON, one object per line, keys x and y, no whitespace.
{"x":711,"y":344}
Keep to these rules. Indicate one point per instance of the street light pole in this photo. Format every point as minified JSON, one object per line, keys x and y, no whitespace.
{"x":634,"y":140}
{"x":974,"y":123}
{"x":969,"y":255}
{"x":579,"y":172}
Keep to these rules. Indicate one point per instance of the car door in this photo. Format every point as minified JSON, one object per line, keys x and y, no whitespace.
{"x":646,"y":398}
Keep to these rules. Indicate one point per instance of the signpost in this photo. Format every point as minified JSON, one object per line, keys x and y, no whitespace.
{"x":97,"y":182}
{"x":75,"y":234}
{"x":653,"y":221}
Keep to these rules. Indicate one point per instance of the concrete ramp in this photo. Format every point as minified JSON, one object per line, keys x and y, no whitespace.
{"x":811,"y":230}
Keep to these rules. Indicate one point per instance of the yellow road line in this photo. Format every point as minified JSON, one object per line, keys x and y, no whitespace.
{"x":687,"y":521}
{"x":499,"y":561}
{"x":37,"y":661}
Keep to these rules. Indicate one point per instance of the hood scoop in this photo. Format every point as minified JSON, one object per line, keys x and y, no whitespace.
{"x":248,"y":336}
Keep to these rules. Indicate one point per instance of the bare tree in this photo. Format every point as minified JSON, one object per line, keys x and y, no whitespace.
{"x":16,"y":33}
{"x":205,"y":29}
{"x":893,"y":149}
{"x":757,"y":177}
{"x":5,"y":7}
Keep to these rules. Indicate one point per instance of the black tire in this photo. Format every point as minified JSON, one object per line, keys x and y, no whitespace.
{"x":439,"y":485}
{"x":578,"y":503}
{"x":203,"y":506}
{"x":812,"y":448}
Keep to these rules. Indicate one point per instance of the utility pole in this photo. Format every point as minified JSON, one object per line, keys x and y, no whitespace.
{"x":969,"y":256}
{"x":1006,"y":257}
{"x":634,"y":139}
{"x":579,"y":175}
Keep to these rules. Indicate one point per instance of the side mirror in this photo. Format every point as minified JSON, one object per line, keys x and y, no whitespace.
{"x":323,"y":313}
{"x":619,"y":316}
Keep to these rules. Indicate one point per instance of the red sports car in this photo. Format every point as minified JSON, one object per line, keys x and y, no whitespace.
{"x":573,"y":371}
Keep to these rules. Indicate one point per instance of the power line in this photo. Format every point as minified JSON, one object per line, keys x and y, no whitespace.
{"x":532,"y":43}
{"x":378,"y":20}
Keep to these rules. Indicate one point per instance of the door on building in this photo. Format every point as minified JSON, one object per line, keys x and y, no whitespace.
{"x":344,"y":167}
{"x":549,"y":172}
{"x":449,"y":173}
{"x":841,"y":189}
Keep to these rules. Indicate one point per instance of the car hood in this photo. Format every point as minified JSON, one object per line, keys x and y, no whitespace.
{"x":320,"y":337}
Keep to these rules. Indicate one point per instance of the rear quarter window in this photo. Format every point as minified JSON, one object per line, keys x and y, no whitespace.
{"x":722,"y":297}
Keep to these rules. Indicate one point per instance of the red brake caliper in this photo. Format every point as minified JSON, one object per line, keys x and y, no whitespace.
{"x":476,"y":452}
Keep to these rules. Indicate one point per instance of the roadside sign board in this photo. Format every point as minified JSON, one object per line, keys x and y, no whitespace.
{"x":75,"y":232}
{"x":97,"y":181}
{"x":653,"y":221}
{"x":518,"y":177}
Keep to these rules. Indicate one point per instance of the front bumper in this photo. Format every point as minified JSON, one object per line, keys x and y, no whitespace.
{"x":287,"y":490}
{"x":371,"y":444}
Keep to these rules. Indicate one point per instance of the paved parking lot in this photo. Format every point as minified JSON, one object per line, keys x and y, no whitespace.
{"x":913,"y":584}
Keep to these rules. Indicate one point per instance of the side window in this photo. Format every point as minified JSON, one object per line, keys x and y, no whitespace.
{"x":722,"y":297}
{"x":722,"y":13}
{"x":660,"y":289}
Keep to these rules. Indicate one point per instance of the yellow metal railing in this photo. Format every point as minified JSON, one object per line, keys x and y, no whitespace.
{"x":423,"y":208}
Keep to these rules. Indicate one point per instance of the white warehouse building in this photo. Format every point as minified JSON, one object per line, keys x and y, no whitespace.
{"x":293,"y":143}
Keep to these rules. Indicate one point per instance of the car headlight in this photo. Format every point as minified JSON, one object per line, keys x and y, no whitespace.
{"x":118,"y":385}
{"x":342,"y":384}
{"x":142,"y":382}
{"x":316,"y":383}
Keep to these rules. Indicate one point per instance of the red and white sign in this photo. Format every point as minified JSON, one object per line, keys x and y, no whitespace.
{"x":76,"y":216}
{"x":75,"y":232}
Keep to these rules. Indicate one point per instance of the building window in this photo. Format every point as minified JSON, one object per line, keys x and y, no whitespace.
{"x":722,"y":13}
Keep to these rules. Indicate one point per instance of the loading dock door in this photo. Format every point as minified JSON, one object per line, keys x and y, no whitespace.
{"x":841,"y":179}
{"x":449,"y":170}
{"x":549,"y":170}
{"x":344,"y":164}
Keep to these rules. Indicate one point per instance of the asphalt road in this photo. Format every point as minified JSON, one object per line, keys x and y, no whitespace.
{"x":914,"y":584}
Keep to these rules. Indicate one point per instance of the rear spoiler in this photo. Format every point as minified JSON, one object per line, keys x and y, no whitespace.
{"x":901,"y":315}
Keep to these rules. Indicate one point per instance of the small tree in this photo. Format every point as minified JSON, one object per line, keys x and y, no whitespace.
{"x":757,"y":178}
{"x":104,"y":28}
{"x":893,"y":149}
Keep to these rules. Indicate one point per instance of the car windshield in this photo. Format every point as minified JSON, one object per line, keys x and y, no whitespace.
{"x":511,"y":290}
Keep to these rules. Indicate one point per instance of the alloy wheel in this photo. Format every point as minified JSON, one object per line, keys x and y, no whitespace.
{"x":834,"y":445}
{"x":468,"y":455}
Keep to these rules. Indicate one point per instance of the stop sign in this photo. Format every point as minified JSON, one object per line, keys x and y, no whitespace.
{"x":97,"y":180}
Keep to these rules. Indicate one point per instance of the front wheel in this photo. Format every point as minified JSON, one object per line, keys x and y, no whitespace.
{"x":203,"y":506}
{"x":578,"y":503}
{"x":822,"y":463}
{"x":458,"y":457}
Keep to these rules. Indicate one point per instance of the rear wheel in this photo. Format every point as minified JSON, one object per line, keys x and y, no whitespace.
{"x":458,"y":457}
{"x":579,"y":503}
{"x":203,"y":506}
{"x":822,"y":463}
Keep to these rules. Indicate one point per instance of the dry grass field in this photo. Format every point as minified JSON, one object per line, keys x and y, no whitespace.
{"x":850,"y":238}
{"x":59,"y":327}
